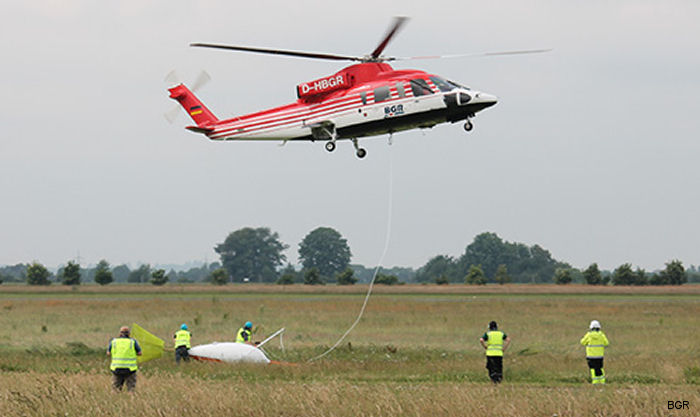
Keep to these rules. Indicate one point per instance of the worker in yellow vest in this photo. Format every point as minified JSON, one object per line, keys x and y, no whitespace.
{"x":495,"y":342}
{"x":595,"y":342}
{"x":123,"y":350}
{"x":182,"y":344}
{"x":245,"y":334}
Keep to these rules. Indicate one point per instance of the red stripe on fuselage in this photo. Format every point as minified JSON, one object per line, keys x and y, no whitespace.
{"x":279,"y":119}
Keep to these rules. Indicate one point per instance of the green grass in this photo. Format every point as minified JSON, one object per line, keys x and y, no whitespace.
{"x":412,"y":353}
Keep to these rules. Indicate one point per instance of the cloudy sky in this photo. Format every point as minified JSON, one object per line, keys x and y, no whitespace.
{"x":592,"y":151}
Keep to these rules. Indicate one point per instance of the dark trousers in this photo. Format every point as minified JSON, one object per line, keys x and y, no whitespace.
{"x":121,"y":376}
{"x":495,"y":366}
{"x":597,"y":371}
{"x":181,"y":353}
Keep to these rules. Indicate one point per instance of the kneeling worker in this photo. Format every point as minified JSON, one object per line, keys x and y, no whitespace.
{"x":245,"y":334}
{"x":595,"y":342}
{"x":495,"y":342}
{"x":182,"y":344}
{"x":123,"y":350}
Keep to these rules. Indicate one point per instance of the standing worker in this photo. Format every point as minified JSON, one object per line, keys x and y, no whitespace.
{"x":182,"y":344}
{"x":495,"y":342}
{"x":595,"y":343}
{"x":123,"y":350}
{"x":245,"y":334}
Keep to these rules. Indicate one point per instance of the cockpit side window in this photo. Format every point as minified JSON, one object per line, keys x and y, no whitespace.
{"x":442,"y":84}
{"x":420,"y":87}
{"x":381,"y":93}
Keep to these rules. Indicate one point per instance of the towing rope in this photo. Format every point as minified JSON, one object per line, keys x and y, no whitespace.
{"x":379,"y":265}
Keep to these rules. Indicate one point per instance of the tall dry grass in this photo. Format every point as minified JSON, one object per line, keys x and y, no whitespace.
{"x":38,"y":394}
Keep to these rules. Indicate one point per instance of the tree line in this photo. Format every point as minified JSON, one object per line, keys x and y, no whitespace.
{"x":257,"y":255}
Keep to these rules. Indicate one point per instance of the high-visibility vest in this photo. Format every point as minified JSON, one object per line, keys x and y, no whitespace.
{"x":182,"y":338}
{"x":123,"y":353}
{"x":494,"y":343}
{"x":239,"y":337}
{"x":595,"y":342}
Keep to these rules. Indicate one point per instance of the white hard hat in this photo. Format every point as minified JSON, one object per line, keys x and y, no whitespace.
{"x":594,"y":325}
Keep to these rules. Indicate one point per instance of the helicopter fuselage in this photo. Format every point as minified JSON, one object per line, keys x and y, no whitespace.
{"x":362,"y":100}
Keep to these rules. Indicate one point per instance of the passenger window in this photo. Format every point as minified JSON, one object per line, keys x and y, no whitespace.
{"x":400,"y":90}
{"x":381,"y":94}
{"x":363,"y":96}
{"x":420,"y":87}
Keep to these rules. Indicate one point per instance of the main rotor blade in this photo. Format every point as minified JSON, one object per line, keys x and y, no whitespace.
{"x":300,"y":54}
{"x":529,"y":51}
{"x":398,"y":22}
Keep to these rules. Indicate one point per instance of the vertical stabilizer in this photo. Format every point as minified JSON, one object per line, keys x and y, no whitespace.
{"x":195,"y":108}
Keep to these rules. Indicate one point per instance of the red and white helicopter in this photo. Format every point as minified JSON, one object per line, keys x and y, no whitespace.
{"x":366,"y":99}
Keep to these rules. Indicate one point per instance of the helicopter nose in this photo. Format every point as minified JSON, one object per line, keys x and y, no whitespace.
{"x":485,"y":99}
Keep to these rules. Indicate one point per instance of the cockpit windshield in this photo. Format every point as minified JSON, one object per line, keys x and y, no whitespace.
{"x":420,"y":87}
{"x":458,"y":85}
{"x":442,"y":84}
{"x":445,"y":85}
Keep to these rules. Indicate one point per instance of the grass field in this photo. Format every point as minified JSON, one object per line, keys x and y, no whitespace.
{"x":415,"y":352}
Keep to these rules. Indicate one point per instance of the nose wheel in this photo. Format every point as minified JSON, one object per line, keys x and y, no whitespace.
{"x":468,"y":125}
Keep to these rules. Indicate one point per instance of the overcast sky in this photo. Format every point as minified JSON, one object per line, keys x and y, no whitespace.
{"x":592,"y":151}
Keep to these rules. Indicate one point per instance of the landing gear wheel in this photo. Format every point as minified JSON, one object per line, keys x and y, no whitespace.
{"x":330,"y":146}
{"x":468,"y":125}
{"x":361,"y":153}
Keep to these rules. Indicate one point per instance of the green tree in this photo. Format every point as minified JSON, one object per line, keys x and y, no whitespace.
{"x":488,"y":250}
{"x":290,"y":273}
{"x":120,"y":273}
{"x":346,"y":277}
{"x":219,"y":276}
{"x":524,"y":263}
{"x":313,"y":277}
{"x":140,"y":274}
{"x":438,"y":266}
{"x":592,"y":275}
{"x":562,"y":276}
{"x":502,"y":276}
{"x":103,"y":275}
{"x":442,"y":280}
{"x":252,"y":253}
{"x":37,"y":274}
{"x":624,"y":275}
{"x":475,"y":276}
{"x":386,"y":279}
{"x":158,"y":277}
{"x":326,"y":249}
{"x":285,"y":279}
{"x":70,"y":274}
{"x":640,"y":277}
{"x":673,"y":274}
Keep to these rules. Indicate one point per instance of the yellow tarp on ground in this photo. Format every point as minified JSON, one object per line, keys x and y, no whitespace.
{"x":151,"y":346}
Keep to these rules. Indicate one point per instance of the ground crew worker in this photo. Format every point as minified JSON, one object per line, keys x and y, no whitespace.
{"x":595,"y":343}
{"x":495,"y":342}
{"x":123,"y":350}
{"x":245,"y":334}
{"x":182,"y":344}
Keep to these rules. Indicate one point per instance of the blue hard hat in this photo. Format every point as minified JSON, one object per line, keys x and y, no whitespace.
{"x":248,"y":325}
{"x":183,"y":327}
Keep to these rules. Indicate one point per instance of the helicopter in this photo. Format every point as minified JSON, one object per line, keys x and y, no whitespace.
{"x":368,"y":98}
